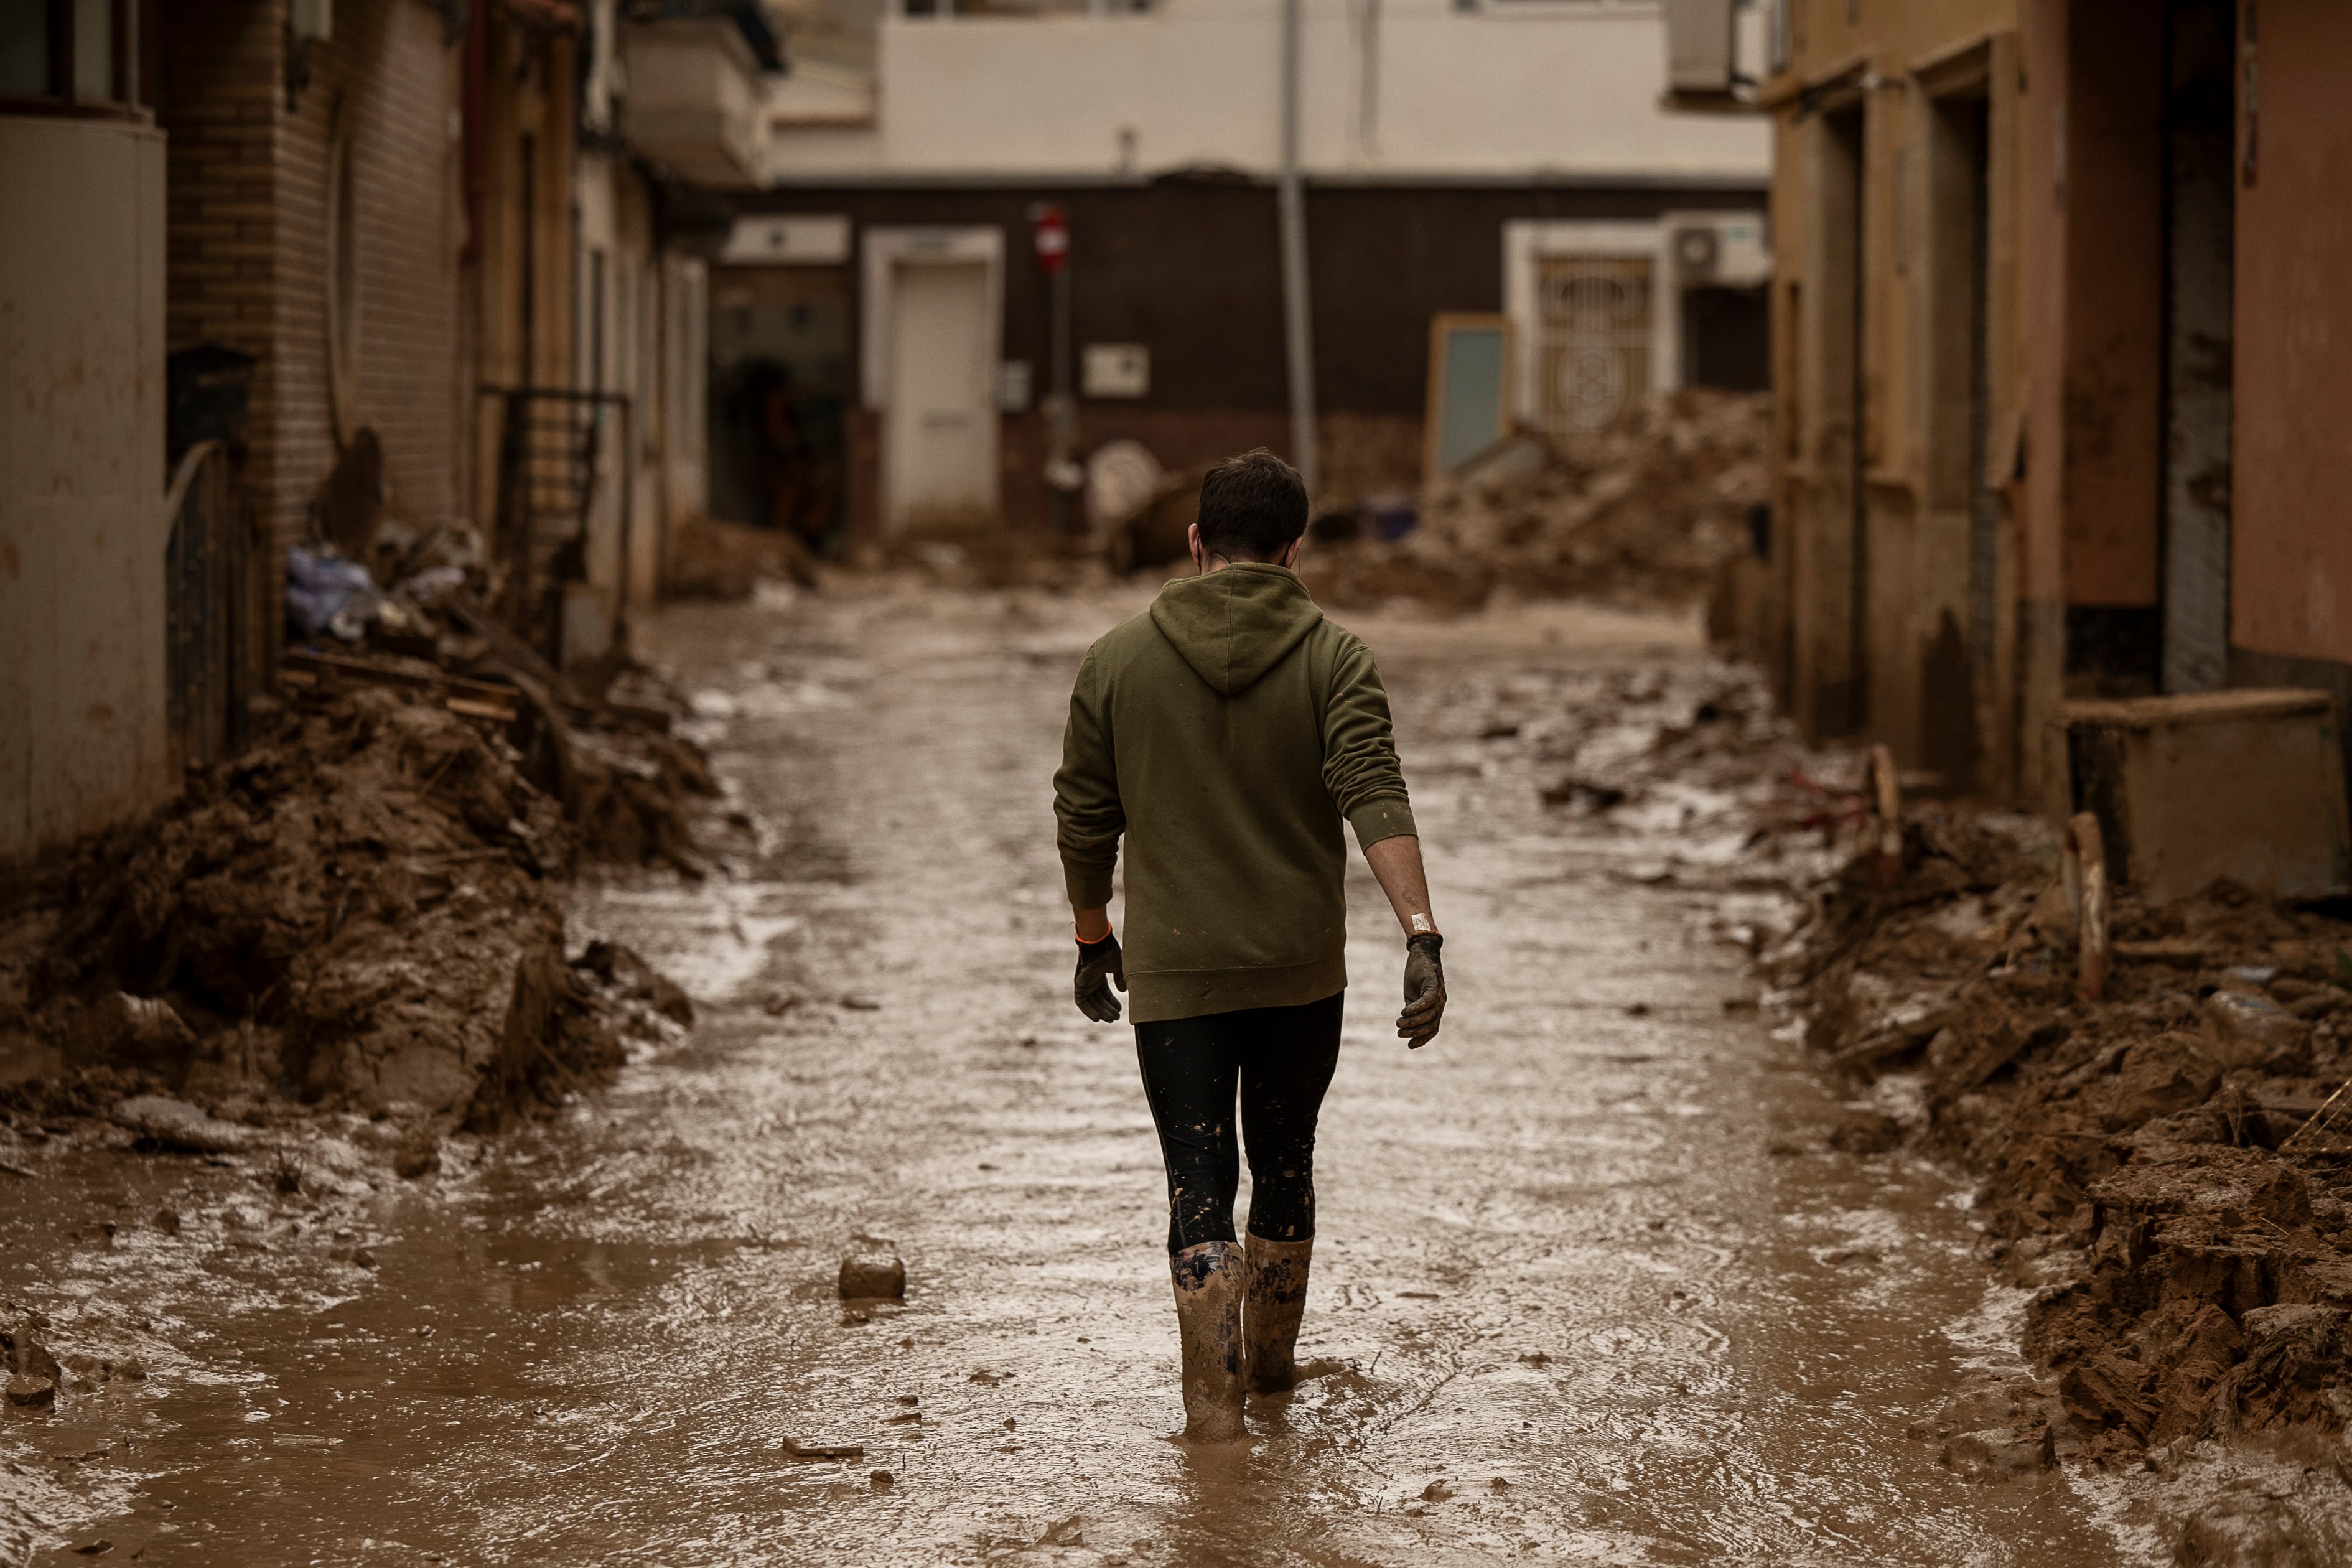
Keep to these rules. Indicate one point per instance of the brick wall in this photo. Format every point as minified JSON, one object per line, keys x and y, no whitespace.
{"x":390,"y":75}
{"x":218,"y":104}
{"x":248,"y":239}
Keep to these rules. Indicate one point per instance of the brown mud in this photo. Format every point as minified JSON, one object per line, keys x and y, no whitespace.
{"x":1644,"y":511}
{"x":362,"y":910}
{"x":2144,"y":1164}
{"x":1568,"y":1304}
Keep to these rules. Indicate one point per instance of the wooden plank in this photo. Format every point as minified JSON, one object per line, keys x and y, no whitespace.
{"x":322,"y":674}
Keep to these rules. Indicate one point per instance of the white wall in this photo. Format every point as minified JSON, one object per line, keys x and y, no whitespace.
{"x":82,"y":525}
{"x":1516,"y":89}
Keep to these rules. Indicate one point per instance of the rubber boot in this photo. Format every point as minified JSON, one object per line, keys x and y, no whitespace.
{"x":1277,"y":1298}
{"x":1209,"y":1280}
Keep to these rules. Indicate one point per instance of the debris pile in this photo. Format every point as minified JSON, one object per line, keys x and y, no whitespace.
{"x":2162,"y":1154}
{"x":598,"y":740}
{"x":596,"y":734}
{"x":1643,"y":511}
{"x":360,"y":909}
{"x":710,"y":559}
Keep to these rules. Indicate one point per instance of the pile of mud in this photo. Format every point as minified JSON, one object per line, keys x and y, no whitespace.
{"x":632,"y":797}
{"x":2144,"y":1160}
{"x":709,"y":559}
{"x":1644,"y":511}
{"x":360,"y":909}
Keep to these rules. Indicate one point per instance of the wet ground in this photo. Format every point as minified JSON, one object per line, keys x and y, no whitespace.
{"x":1570,"y":1306}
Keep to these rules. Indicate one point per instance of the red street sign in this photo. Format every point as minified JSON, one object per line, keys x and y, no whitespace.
{"x":1053,"y":240}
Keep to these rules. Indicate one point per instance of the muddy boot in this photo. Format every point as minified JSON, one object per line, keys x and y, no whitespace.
{"x":1209,"y":1280}
{"x":1277,"y":1297}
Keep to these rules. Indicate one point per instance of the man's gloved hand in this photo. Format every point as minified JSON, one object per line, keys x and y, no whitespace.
{"x":1100,"y":964}
{"x":1424,"y":990}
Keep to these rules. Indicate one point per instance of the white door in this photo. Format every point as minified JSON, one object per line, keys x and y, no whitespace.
{"x":940,"y":428}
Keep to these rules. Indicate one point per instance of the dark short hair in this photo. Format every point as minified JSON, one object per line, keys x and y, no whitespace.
{"x":1252,"y":506}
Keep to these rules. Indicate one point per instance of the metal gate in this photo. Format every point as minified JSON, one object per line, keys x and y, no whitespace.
{"x":1592,"y":339}
{"x":206,"y":580}
{"x":564,"y":459}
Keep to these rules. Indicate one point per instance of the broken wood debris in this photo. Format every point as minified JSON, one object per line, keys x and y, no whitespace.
{"x":311,"y":674}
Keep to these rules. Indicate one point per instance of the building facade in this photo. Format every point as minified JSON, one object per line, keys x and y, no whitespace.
{"x":1498,"y":158}
{"x":83,"y":529}
{"x":300,"y":257}
{"x":2054,"y":364}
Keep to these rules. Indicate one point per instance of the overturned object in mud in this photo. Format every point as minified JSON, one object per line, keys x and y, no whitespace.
{"x":176,"y":1124}
{"x":867,"y":1276}
{"x":2246,"y":786}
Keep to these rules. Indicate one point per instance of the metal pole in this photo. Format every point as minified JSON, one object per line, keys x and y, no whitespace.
{"x":1298,"y":337}
{"x":1061,"y":414}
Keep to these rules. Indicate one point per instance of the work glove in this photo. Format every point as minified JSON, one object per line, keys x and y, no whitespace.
{"x":1101,"y":966}
{"x":1424,"y":990}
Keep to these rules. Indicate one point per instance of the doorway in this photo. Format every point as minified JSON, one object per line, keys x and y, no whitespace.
{"x":1727,"y":338}
{"x":780,"y":375}
{"x":2200,"y":258}
{"x":938,"y":441}
{"x":1961,"y":570}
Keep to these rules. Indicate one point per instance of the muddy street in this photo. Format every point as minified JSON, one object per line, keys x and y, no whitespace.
{"x":1577,"y":1298}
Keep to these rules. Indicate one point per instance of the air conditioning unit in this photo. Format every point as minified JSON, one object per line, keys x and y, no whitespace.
{"x":1699,"y":46}
{"x":1717,"y":251}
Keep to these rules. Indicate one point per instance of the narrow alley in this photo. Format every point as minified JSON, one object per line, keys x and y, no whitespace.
{"x":550,"y":764}
{"x":1575,"y":1308}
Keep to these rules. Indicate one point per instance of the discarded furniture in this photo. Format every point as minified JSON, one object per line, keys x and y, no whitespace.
{"x":2247,"y":785}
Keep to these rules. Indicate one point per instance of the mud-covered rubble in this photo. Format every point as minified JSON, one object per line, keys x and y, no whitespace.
{"x":362,"y":909}
{"x":1654,"y":752}
{"x":1643,"y":511}
{"x":2181,"y":1251}
{"x":2143,"y":1157}
{"x":322,"y":975}
{"x":709,"y":559}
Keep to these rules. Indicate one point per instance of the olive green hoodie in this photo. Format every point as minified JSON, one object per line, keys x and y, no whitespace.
{"x":1227,"y":734}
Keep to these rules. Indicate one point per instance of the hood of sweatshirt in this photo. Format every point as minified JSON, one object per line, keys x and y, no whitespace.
{"x":1233,"y":625}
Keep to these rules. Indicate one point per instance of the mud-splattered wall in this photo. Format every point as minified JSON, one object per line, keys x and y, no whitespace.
{"x":2290,"y":558}
{"x":82,"y":524}
{"x":1898,"y":331}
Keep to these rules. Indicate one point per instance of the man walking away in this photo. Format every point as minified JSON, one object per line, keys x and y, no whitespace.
{"x":1227,"y":734}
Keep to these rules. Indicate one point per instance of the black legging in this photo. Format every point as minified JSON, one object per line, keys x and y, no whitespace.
{"x":1282,"y":1059}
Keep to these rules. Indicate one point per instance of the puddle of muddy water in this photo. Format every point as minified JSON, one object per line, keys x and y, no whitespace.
{"x":1567,"y":1304}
